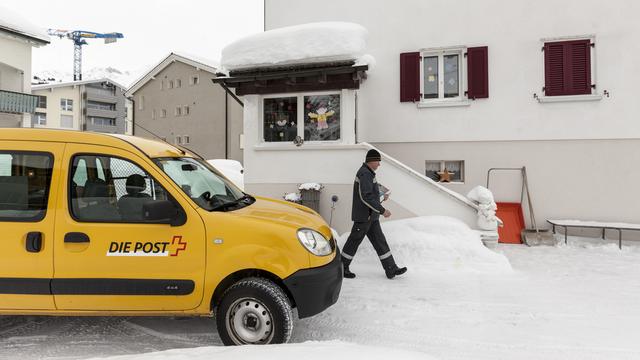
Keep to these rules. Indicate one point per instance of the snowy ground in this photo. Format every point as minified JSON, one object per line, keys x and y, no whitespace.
{"x":566,"y":302}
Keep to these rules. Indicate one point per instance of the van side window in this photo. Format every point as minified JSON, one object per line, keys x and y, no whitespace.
{"x":25,"y":179}
{"x":111,"y":189}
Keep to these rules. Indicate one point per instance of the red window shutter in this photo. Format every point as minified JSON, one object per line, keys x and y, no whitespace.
{"x":478,"y":72}
{"x":579,"y":66}
{"x":410,"y":76}
{"x":567,"y":67}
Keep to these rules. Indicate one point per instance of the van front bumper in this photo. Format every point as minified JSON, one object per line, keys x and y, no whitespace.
{"x":316,"y":289}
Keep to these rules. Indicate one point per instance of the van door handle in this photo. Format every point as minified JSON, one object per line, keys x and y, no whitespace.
{"x":76,"y":238}
{"x":34,"y":241}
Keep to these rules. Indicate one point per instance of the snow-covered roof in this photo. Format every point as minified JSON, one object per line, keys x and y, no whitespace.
{"x":193,"y":60}
{"x":74,"y":83}
{"x":16,"y":24}
{"x":301,"y":44}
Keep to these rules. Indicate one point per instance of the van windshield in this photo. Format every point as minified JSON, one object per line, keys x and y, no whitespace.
{"x":205,"y":185}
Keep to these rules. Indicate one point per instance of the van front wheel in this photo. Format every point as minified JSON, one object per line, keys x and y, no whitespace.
{"x":254,"y":311}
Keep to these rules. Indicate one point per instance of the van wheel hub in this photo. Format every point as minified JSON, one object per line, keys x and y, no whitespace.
{"x":250,"y":322}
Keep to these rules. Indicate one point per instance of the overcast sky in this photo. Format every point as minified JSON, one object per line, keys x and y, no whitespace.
{"x":152,"y":29}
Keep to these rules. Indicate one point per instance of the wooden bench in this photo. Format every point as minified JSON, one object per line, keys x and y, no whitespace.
{"x":594,"y":225}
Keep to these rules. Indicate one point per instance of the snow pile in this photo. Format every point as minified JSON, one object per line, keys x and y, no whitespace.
{"x":312,"y":350}
{"x":231,"y":169}
{"x":487,"y":207}
{"x":307,"y":43}
{"x":310,"y":186}
{"x":436,"y":244}
{"x":293,"y":197}
{"x":15,"y":22}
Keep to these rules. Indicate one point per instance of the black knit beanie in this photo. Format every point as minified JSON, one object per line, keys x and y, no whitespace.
{"x":373,"y":155}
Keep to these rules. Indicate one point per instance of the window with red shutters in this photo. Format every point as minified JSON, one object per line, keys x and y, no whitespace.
{"x":567,"y":67}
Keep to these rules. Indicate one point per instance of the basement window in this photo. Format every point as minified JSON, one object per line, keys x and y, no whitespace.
{"x":445,"y":170}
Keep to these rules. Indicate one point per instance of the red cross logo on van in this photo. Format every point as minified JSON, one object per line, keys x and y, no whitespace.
{"x":182,"y":245}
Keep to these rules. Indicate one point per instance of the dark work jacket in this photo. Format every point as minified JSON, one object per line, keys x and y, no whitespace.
{"x":366,"y":196}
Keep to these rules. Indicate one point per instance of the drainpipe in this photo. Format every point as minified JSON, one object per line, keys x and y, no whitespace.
{"x":133,"y":116}
{"x":226,"y":125}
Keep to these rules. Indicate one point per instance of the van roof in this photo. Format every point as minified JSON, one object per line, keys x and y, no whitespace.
{"x":151,"y":148}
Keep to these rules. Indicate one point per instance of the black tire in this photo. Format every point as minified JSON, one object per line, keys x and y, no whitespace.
{"x":254,"y":311}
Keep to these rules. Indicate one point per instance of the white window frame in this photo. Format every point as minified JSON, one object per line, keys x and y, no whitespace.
{"x":462,"y":99}
{"x":186,"y":110}
{"x":68,"y":104}
{"x":178,"y":83}
{"x":300,"y":118}
{"x":163,"y":113}
{"x":178,"y":111}
{"x":187,"y":139}
{"x":595,"y":93}
{"x":442,"y":167}
{"x":39,"y":116}
{"x":178,"y":140}
{"x":194,"y":80}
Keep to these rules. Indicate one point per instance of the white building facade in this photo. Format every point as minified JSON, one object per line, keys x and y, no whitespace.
{"x":550,"y":89}
{"x":17,"y":38}
{"x":89,"y":105}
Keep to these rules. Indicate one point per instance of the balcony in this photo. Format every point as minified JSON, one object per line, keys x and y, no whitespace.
{"x":14,"y":102}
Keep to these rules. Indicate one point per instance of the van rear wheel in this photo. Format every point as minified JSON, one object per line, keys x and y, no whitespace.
{"x":254,"y":311}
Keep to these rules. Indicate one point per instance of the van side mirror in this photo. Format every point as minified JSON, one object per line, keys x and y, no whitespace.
{"x":163,"y":212}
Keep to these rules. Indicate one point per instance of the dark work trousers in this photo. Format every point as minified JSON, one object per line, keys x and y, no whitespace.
{"x":373,"y":231}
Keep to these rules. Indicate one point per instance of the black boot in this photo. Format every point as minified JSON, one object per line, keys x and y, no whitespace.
{"x":345,"y":269}
{"x":391,"y":269}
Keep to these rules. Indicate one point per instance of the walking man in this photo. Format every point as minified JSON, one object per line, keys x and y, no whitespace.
{"x":365,"y":213}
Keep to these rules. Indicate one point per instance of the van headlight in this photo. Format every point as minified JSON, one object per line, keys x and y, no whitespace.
{"x":314,"y":242}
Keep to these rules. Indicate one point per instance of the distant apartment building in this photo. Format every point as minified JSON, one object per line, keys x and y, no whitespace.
{"x":89,"y":105}
{"x":17,"y":38}
{"x":177,"y":102}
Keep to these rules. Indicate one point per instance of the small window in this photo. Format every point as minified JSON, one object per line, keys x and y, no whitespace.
{"x":42,"y":102}
{"x":280,"y":119}
{"x":141,"y":102}
{"x":178,"y":83}
{"x":66,"y":121}
{"x":25,"y":179}
{"x":110,"y":189}
{"x":186,"y":110}
{"x":178,"y":110}
{"x":170,"y":84}
{"x":445,"y":170}
{"x":39,"y":119}
{"x":322,"y":117}
{"x":161,"y":84}
{"x":66,"y":104}
{"x":153,"y":114}
{"x":195,"y":80}
{"x":441,"y":74}
{"x":178,"y":140}
{"x":187,"y":140}
{"x":163,"y":113}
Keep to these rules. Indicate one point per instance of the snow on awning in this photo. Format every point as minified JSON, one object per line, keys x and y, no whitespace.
{"x":321,"y":42}
{"x":12,"y":22}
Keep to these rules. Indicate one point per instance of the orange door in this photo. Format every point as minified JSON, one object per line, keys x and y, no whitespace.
{"x":511,"y":216}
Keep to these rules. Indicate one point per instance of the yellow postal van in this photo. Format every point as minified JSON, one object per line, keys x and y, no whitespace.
{"x":96,"y":224}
